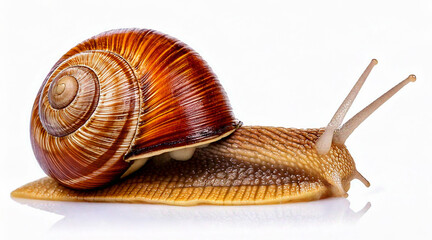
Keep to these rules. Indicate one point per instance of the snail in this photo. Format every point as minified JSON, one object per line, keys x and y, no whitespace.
{"x":134,"y":115}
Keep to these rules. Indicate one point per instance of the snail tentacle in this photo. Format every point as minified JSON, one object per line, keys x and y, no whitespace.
{"x":345,"y":131}
{"x":324,"y":143}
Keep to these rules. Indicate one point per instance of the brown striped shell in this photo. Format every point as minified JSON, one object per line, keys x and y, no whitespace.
{"x":121,"y":95}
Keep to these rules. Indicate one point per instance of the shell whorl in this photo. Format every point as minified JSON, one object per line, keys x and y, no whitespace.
{"x":119,"y":94}
{"x":61,"y":111}
{"x":82,"y":145}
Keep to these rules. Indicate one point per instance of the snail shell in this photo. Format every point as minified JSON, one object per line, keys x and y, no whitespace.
{"x":124,"y":95}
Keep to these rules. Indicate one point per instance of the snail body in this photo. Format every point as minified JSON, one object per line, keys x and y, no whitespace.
{"x":137,"y":100}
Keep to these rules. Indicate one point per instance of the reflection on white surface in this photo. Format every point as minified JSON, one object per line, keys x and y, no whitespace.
{"x":95,"y":217}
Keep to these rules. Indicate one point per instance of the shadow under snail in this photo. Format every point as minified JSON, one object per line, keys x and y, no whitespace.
{"x":137,"y":116}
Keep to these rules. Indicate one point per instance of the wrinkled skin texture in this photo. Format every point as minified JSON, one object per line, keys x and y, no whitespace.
{"x":254,"y":165}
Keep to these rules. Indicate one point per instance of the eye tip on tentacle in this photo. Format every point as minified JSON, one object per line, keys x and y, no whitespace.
{"x":412,"y":78}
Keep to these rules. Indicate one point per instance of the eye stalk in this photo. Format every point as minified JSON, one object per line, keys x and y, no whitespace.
{"x":334,"y":133}
{"x":324,"y":142}
{"x":345,"y":131}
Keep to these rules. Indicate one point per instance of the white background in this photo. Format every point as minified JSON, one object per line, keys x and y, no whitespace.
{"x":282,"y":63}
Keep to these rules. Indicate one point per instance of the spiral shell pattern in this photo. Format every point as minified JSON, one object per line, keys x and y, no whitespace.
{"x":121,"y":94}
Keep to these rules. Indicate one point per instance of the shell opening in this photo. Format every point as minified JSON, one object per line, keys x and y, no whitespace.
{"x":182,"y":154}
{"x":196,"y":145}
{"x":179,"y":155}
{"x":137,"y":164}
{"x":164,"y":157}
